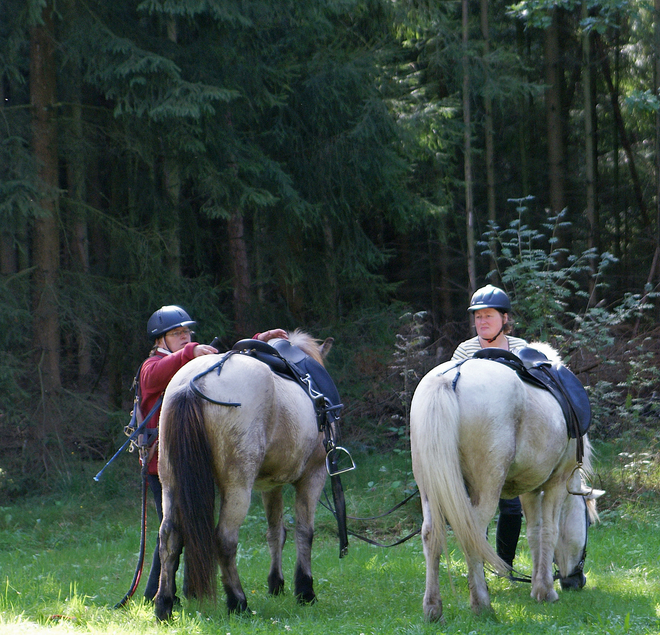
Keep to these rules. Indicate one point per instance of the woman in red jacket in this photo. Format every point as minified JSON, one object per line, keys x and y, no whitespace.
{"x":169,"y":330}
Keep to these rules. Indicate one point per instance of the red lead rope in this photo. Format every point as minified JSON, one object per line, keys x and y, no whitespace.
{"x":143,"y":541}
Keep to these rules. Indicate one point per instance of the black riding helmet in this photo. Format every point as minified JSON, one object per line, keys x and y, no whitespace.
{"x":165,"y":319}
{"x":490,"y":297}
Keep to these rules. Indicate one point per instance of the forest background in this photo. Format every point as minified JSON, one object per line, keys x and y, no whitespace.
{"x":356,"y":168}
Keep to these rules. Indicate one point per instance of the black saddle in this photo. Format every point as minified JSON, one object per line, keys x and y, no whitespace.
{"x":535,"y":368}
{"x":293,"y":363}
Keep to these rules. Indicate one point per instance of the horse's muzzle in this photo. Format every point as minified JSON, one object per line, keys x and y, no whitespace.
{"x":573,"y":582}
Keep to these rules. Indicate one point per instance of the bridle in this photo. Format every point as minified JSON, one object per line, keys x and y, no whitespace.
{"x":579,"y":567}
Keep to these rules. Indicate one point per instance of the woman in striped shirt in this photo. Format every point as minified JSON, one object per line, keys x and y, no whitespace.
{"x":491,"y":308}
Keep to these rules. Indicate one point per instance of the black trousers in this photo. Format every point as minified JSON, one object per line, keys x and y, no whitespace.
{"x":154,"y":574}
{"x":508,"y":529}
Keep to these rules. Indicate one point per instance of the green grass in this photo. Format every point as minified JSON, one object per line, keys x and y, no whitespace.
{"x":66,"y":560}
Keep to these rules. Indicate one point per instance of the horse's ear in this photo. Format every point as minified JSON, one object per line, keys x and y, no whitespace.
{"x":326,"y":346}
{"x":595,"y":494}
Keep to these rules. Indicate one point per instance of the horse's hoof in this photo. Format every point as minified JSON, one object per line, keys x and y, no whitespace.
{"x":541,"y":596}
{"x":304,"y":588}
{"x":434,"y":613}
{"x":306,"y":598}
{"x":483,"y":609}
{"x":275,"y":585}
{"x":163,"y":609}
{"x":237,"y":606}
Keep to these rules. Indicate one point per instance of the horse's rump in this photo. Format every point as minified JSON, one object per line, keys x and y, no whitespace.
{"x":435,"y":443}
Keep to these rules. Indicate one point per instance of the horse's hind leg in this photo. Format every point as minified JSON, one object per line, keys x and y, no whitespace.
{"x":276,"y":537}
{"x":484,"y":510}
{"x":432,"y":604}
{"x":234,"y":507}
{"x":308,"y":492}
{"x":171,"y":545}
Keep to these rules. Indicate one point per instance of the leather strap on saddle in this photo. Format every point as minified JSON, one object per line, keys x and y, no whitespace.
{"x":535,"y":368}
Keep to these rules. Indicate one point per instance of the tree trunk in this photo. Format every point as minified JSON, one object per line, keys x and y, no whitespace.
{"x":554,"y":117}
{"x":523,"y":134}
{"x":172,"y":184}
{"x":240,"y":274}
{"x":74,"y":209}
{"x":656,"y":86}
{"x":8,"y":260}
{"x":467,"y":158}
{"x":78,"y":238}
{"x":618,"y":118}
{"x":489,"y":140}
{"x":46,"y":235}
{"x":617,"y":199}
{"x":333,"y":285}
{"x":590,"y":152}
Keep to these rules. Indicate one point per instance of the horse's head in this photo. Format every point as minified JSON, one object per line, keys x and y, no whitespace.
{"x":316,"y":349}
{"x":577,"y":514}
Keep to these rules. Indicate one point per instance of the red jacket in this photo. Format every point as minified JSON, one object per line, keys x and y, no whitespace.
{"x":155,"y":374}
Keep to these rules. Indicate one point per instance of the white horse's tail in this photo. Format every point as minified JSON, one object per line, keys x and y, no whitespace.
{"x":434,"y":436}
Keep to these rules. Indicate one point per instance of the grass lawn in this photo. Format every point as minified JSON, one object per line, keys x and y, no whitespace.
{"x":67,"y":559}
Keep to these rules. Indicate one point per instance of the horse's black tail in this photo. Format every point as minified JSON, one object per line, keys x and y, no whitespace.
{"x":185,"y":445}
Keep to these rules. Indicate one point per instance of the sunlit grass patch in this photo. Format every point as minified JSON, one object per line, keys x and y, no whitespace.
{"x":65,"y":563}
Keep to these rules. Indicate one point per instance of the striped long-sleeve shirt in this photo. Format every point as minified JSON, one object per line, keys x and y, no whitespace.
{"x":467,"y":349}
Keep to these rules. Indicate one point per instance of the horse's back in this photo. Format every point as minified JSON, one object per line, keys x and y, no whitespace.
{"x":271,"y":432}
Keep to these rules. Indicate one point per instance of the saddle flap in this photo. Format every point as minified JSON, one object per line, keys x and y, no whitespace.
{"x":569,"y":392}
{"x":577,"y":396}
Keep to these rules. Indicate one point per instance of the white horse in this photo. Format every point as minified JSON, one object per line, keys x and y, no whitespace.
{"x":479,"y":433}
{"x":266,"y":435}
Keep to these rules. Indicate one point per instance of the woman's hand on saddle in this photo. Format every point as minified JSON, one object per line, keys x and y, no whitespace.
{"x":204,"y":349}
{"x":271,"y":335}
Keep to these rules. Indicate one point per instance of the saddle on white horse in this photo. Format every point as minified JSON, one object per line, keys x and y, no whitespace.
{"x":535,"y":368}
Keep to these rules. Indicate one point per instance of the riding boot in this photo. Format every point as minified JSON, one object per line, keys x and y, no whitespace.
{"x":506,"y":538}
{"x":154,"y":575}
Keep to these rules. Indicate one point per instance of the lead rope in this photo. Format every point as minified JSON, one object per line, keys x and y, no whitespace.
{"x":143,"y":542}
{"x":329,"y":507}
